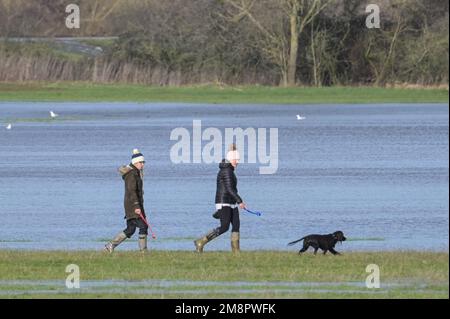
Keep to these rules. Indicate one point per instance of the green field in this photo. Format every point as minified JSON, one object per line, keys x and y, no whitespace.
{"x":262,"y":274}
{"x":88,"y":92}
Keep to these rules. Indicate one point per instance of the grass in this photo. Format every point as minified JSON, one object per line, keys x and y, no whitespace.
{"x":103,"y":43}
{"x":89,"y":92}
{"x":14,"y":120}
{"x":41,"y":49}
{"x":261,"y":274}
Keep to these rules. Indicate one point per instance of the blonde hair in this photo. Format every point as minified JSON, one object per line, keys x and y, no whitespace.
{"x":233,"y":153}
{"x":232,"y":147}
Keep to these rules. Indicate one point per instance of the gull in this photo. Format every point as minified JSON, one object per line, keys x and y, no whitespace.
{"x":9,"y":126}
{"x":53,"y":115}
{"x":300,"y":117}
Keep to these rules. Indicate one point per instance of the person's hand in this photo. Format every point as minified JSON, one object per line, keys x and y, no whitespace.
{"x":138,"y":211}
{"x":242,"y":205}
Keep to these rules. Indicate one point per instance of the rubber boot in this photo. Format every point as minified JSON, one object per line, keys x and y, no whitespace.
{"x":201,"y":242}
{"x":115,"y":242}
{"x":143,"y":243}
{"x":235,"y":242}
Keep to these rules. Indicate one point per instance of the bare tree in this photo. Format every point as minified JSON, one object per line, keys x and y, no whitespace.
{"x":319,"y":42}
{"x":99,"y":11}
{"x":30,"y":18}
{"x":282,"y":46}
{"x":382,"y":44}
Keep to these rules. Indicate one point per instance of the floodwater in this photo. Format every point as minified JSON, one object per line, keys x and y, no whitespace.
{"x":160,"y":288}
{"x":377,"y":172}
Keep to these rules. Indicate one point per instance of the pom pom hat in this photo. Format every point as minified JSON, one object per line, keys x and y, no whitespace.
{"x":137,"y":157}
{"x":233,"y":153}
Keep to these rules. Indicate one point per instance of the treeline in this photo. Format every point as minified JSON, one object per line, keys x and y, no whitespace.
{"x":272,"y":42}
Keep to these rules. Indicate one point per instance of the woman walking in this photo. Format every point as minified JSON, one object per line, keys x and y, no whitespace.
{"x":227,"y":202}
{"x":132,"y":175}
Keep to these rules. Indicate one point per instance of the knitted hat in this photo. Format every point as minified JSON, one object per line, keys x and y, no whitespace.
{"x":137,"y":157}
{"x":233,"y":154}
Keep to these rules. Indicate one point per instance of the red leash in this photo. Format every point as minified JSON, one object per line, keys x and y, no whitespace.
{"x":150,"y":227}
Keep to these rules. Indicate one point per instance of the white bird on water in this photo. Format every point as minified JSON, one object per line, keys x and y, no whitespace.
{"x":300,"y":117}
{"x":9,"y":126}
{"x":53,"y":114}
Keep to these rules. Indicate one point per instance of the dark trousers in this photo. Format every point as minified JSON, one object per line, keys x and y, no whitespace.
{"x":229,"y":216}
{"x":131,"y":227}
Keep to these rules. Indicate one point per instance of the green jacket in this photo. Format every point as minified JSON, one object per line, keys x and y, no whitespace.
{"x":134,"y":193}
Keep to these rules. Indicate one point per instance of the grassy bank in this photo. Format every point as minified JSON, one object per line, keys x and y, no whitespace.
{"x":88,"y":92}
{"x":175,"y":274}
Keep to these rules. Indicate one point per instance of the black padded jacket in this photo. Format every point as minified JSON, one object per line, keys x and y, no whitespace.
{"x":227,"y":192}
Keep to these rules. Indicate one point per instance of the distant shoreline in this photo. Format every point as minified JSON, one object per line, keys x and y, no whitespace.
{"x":216,"y":94}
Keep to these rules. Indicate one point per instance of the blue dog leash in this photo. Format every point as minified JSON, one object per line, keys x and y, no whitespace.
{"x":254,"y":213}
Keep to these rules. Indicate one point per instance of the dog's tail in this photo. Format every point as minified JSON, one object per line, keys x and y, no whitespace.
{"x":296,"y":241}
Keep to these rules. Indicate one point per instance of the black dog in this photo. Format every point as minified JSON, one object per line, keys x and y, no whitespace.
{"x":324,"y":242}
